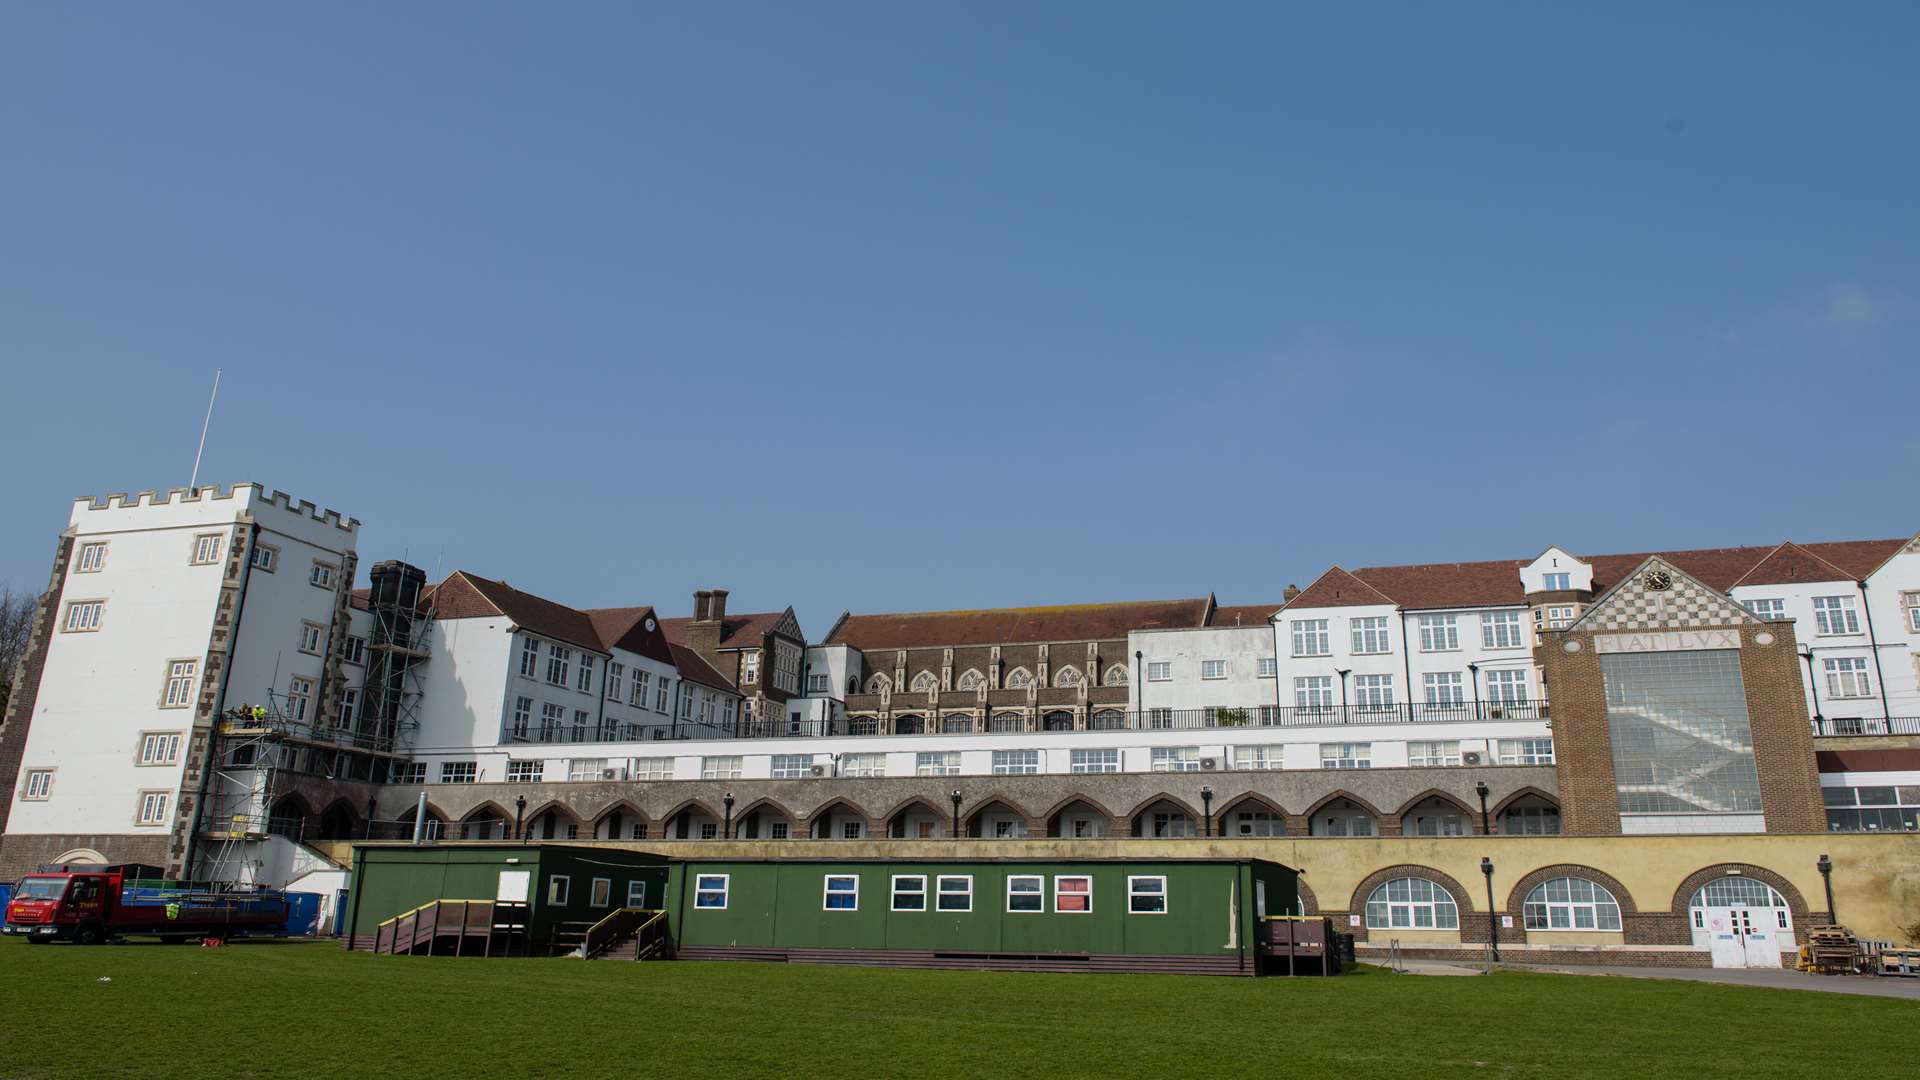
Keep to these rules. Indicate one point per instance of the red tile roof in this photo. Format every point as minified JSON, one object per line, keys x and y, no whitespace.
{"x":1243,"y":615}
{"x":1005,"y":626}
{"x":626,"y":627}
{"x":694,"y":668}
{"x":1480,"y":584}
{"x":1338,"y":588}
{"x":465,"y":595}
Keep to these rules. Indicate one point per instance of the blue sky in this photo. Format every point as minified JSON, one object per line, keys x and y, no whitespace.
{"x":894,"y":306}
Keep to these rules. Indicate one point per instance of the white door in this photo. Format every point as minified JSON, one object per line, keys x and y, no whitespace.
{"x":1741,"y":937}
{"x":513,"y":886}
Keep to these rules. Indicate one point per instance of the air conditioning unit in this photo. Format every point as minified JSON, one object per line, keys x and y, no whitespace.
{"x":613,"y":774}
{"x":1471,"y":757}
{"x":816,"y":770}
{"x":1208,"y":764}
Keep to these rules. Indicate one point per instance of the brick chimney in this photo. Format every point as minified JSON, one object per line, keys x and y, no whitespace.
{"x":709,"y":615}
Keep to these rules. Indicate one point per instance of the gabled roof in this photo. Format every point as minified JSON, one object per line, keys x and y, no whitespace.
{"x":694,"y":668}
{"x":1497,"y":582}
{"x":626,"y":627}
{"x":1243,"y":615}
{"x":1005,"y":626}
{"x":1338,"y":588}
{"x":466,"y":595}
{"x":743,"y":631}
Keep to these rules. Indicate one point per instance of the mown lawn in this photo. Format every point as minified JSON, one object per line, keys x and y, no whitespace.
{"x":312,"y":1010}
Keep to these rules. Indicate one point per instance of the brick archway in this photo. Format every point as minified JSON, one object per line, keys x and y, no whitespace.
{"x":1637,"y":927}
{"x":1309,"y":903}
{"x":1803,"y":916}
{"x":1473,"y":926}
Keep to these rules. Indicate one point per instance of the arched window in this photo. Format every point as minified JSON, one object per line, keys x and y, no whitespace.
{"x":970,"y":679}
{"x":1737,"y":892}
{"x":1117,"y":675}
{"x":908,"y":725}
{"x":879,"y":684}
{"x":924,"y":682}
{"x":956,"y":724}
{"x":1068,"y":676}
{"x":1006,"y":721}
{"x":1412,"y":903}
{"x":1109,"y":720}
{"x":1571,"y":903}
{"x":1019,"y":679}
{"x":1057,"y":721}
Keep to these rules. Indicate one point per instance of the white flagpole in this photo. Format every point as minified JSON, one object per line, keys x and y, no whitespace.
{"x":193,"y":485}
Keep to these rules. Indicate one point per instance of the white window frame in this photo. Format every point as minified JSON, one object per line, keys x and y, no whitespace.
{"x":1005,"y":765}
{"x":1370,"y":635}
{"x":1313,"y":692}
{"x":616,"y":680}
{"x":1083,"y":762}
{"x":37,"y":786}
{"x":452,"y":772}
{"x":1561,"y":581}
{"x":300,"y":697}
{"x":715,"y":767}
{"x":1439,"y":633}
{"x":1175,"y":759}
{"x":1835,"y":616}
{"x":1346,"y":755}
{"x":1212,"y":670}
{"x":92,"y":557}
{"x":600,"y":893}
{"x":867,"y":764}
{"x":526,"y":770}
{"x":177,"y":691}
{"x":160,"y":748}
{"x":941,"y":892}
{"x":637,"y":893}
{"x":1507,"y":686}
{"x":585,"y":682}
{"x":320,"y":576}
{"x":1259,"y":757}
{"x":559,"y":890}
{"x":750,"y":666}
{"x":1267,"y":668}
{"x":937,"y":763}
{"x":353,"y":650}
{"x":1503,"y":630}
{"x":1412,"y":907}
{"x":530,"y":658}
{"x":653,"y":768}
{"x":1433,"y":753}
{"x":313,"y":637}
{"x":1524,"y":750}
{"x":828,"y":892}
{"x":1594,"y":909}
{"x":1444,"y":689}
{"x":791,"y":766}
{"x":1373,"y":691}
{"x":265,"y":558}
{"x":1039,"y":893}
{"x":206,"y":549}
{"x":84,"y":616}
{"x":895,"y":892}
{"x":701,"y":887}
{"x":1310,"y":637}
{"x":1767,"y":607}
{"x":1847,"y":677}
{"x":1159,"y":671}
{"x":1057,"y":894}
{"x":151,"y":806}
{"x":1158,"y":892}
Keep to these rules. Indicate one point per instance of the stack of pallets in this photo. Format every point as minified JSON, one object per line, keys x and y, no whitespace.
{"x":1830,"y":950}
{"x":1903,"y":962}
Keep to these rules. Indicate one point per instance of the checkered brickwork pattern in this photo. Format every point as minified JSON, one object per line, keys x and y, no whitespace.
{"x":1687,"y":605}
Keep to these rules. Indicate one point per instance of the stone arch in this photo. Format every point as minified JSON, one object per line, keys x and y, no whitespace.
{"x":879,"y":684}
{"x":289,"y":816}
{"x":1135,"y":826}
{"x":1517,"y":896}
{"x":1309,"y":903}
{"x":823,"y":813}
{"x":550,"y":821}
{"x":1342,"y":793}
{"x":1516,"y":795}
{"x":688,"y":806}
{"x":764,"y":806}
{"x":469,"y":827}
{"x":1116,"y":675}
{"x":1249,"y":800}
{"x":971,"y":820}
{"x":1468,"y":813}
{"x":84,"y":856}
{"x":1105,"y":824}
{"x":436,"y":822}
{"x":619,"y":817}
{"x":1017,"y":679}
{"x":1797,"y":904}
{"x":925,"y":682}
{"x":341,"y":821}
{"x":1471,"y":930}
{"x":970,"y":679}
{"x":894,"y":820}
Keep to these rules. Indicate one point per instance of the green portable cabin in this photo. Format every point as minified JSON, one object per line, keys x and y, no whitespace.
{"x":538,"y":896}
{"x":1172,"y":915}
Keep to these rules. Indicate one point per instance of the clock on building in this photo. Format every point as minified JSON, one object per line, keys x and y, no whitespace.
{"x":1658,"y":580}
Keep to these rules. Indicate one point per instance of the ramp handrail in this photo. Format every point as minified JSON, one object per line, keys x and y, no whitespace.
{"x":619,"y":923}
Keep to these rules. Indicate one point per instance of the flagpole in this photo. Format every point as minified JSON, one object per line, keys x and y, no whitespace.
{"x":193,"y":485}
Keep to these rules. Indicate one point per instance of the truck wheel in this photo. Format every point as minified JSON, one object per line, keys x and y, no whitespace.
{"x":89,"y":934}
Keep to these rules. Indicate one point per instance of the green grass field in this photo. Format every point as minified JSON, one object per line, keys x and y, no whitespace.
{"x":312,"y":1010}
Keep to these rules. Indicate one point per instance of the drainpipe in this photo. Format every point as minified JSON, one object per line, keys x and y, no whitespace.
{"x":220,"y":700}
{"x":1886,"y":711}
{"x":1406,"y":662}
{"x":1813,"y":685}
{"x":1139,"y":680}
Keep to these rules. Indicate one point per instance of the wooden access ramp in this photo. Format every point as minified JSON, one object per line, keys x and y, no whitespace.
{"x":628,"y":934}
{"x":456,"y":928}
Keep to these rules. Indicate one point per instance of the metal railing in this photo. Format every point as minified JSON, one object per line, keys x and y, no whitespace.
{"x":1009,"y":722}
{"x":1836,"y":726}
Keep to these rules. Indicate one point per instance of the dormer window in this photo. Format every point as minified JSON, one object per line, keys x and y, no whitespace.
{"x":1559,"y":582}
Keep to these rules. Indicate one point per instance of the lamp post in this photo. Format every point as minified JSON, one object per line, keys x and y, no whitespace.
{"x":1343,"y":673}
{"x":519,"y":813}
{"x":1473,"y":673}
{"x":726,"y":830}
{"x":1480,"y":788}
{"x":1206,"y":803}
{"x":1493,"y":922}
{"x":956,"y":813}
{"x":1826,"y":878}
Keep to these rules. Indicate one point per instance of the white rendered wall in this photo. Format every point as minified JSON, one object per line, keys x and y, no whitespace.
{"x":1242,"y":647}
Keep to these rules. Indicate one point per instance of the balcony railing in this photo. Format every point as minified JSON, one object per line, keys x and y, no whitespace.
{"x":1831,"y":726}
{"x":1112,"y":719}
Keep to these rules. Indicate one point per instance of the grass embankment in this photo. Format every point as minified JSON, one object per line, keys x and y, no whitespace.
{"x":312,"y":1010}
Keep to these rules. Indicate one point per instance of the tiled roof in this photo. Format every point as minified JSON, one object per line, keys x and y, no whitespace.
{"x":694,"y":668}
{"x":626,"y":627}
{"x":1338,"y":588}
{"x":747,"y":629}
{"x":1070,"y":622}
{"x":465,"y":595}
{"x":1243,"y":615}
{"x":1479,"y":584}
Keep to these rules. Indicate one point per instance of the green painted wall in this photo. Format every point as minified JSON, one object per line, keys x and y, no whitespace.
{"x":390,"y":880}
{"x":582,"y":866}
{"x":782,"y":905}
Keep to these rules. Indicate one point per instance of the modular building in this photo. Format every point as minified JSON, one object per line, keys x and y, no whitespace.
{"x":539,"y":895}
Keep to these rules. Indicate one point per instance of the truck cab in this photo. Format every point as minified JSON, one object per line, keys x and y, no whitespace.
{"x":47,"y":907}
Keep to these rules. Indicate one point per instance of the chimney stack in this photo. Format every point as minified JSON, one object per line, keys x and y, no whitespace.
{"x":702,"y":599}
{"x":718,"y":610}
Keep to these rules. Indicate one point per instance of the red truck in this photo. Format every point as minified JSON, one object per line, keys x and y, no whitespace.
{"x":95,"y":904}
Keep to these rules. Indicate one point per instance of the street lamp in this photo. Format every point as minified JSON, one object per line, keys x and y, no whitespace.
{"x":1480,"y":787}
{"x":1206,"y":803}
{"x":726,"y":830}
{"x":519,"y":812}
{"x":1826,"y":877}
{"x":1813,"y":686}
{"x":1493,"y":923}
{"x":956,"y":813}
{"x":1343,"y":673}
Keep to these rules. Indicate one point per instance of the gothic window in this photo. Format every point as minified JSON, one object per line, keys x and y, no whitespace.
{"x":1019,"y":679}
{"x":879,"y":684}
{"x":970,"y":680}
{"x":1068,"y":676}
{"x":1117,"y":675}
{"x":924,"y":682}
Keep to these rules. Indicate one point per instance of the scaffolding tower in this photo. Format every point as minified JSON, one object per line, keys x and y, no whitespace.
{"x":399,"y":644}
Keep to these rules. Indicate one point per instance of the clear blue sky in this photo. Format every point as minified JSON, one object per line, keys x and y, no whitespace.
{"x":915,"y":306}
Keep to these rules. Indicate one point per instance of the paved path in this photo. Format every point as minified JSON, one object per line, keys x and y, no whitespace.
{"x":1871,"y":985}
